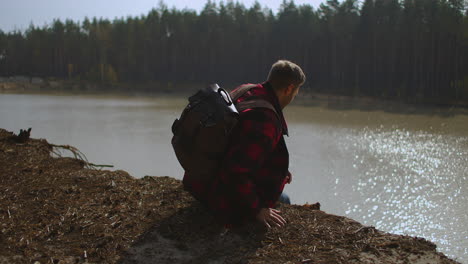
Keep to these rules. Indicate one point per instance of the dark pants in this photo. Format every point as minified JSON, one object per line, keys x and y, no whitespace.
{"x":284,"y":198}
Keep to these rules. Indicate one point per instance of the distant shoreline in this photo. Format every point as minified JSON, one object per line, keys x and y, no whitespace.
{"x":22,"y":84}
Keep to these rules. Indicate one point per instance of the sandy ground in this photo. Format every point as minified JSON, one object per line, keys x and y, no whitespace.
{"x":55,"y":210}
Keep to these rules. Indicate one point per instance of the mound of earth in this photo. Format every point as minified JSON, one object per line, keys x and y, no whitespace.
{"x":57,"y":210}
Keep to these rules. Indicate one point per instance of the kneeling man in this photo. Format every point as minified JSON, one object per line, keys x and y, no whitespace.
{"x":254,"y":170}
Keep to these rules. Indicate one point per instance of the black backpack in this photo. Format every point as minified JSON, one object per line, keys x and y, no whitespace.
{"x":201,"y":134}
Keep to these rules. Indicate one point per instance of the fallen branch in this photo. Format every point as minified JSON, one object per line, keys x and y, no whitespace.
{"x":78,"y":155}
{"x":101,"y":166}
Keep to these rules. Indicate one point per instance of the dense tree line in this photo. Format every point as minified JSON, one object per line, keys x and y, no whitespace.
{"x":385,"y":48}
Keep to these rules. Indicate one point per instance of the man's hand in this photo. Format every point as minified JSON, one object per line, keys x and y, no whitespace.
{"x":269,"y":217}
{"x":289,"y":178}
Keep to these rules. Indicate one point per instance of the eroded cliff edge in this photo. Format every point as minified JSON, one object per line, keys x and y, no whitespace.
{"x":55,"y":210}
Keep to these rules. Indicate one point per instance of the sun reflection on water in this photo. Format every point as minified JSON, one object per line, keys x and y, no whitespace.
{"x":412,"y":180}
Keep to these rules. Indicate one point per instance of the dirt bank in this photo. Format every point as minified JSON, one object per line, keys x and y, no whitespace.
{"x":26,"y":84}
{"x":54,"y":210}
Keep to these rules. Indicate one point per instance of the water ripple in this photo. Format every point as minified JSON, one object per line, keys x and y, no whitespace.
{"x":413,"y":181}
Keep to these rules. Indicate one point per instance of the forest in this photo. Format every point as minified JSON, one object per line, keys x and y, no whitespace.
{"x":409,"y":50}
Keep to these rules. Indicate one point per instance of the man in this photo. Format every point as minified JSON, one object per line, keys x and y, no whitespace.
{"x":255,"y":168}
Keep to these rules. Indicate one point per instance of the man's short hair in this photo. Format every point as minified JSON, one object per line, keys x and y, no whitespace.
{"x":283,"y":73}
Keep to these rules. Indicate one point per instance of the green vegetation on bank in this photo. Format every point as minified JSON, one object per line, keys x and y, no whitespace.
{"x":413,"y":50}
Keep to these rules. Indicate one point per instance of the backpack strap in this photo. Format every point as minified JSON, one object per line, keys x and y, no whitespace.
{"x":252,"y":101}
{"x":255,"y":103}
{"x":236,"y":94}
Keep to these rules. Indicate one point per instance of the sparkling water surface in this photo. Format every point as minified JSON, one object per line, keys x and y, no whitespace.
{"x":402,"y":171}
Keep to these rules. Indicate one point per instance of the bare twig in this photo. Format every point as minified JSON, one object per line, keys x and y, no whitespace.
{"x":101,"y":166}
{"x":364,"y":228}
{"x":78,"y":155}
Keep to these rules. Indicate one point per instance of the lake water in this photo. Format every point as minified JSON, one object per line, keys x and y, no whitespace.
{"x":401,"y":171}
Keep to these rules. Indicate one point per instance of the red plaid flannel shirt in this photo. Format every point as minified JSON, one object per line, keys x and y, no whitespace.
{"x":253,"y":173}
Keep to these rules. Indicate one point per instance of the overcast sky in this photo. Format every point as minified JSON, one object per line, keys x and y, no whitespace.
{"x":18,"y":14}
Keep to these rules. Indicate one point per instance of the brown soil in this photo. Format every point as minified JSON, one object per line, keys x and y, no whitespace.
{"x":54,"y":210}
